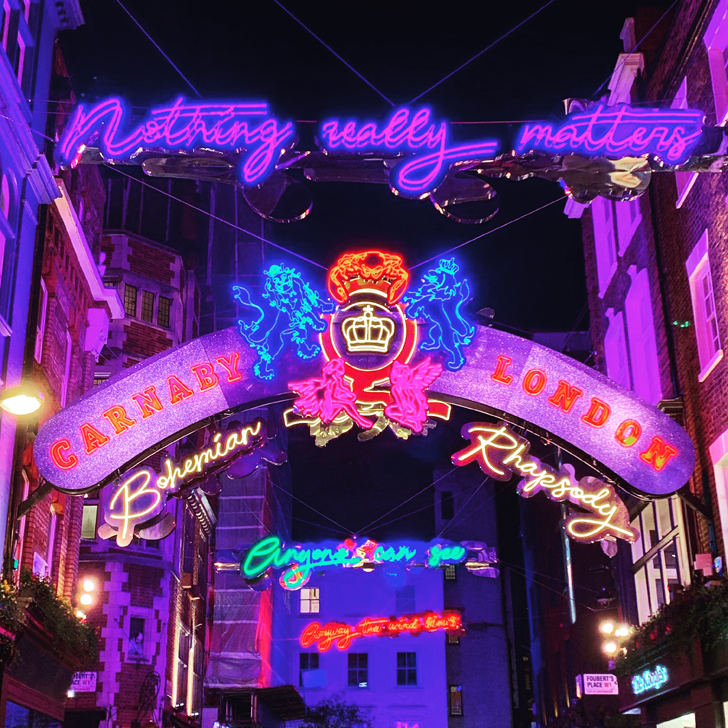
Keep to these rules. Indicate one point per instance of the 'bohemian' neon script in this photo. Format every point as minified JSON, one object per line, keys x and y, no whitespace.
{"x":133,"y":502}
{"x":501,"y":454}
{"x":407,"y":131}
{"x":182,"y":125}
{"x":343,"y":634}
{"x":300,"y":560}
{"x":649,"y":680}
{"x":670,"y":134}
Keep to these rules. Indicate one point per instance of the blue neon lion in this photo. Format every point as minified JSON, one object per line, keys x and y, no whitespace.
{"x":292,"y":315}
{"x":438,"y":302}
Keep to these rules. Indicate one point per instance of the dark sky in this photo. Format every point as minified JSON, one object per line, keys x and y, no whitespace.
{"x":531,"y":272}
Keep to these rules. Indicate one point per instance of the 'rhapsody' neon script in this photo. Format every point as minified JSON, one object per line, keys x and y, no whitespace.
{"x":300,"y":560}
{"x":649,"y":680}
{"x":501,"y":455}
{"x":670,"y":134}
{"x":342,"y":635}
{"x":139,"y":498}
{"x":407,"y":130}
{"x":220,"y":125}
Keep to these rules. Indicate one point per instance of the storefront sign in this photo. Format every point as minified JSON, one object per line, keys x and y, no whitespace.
{"x":501,"y":454}
{"x":649,"y":680}
{"x":381,"y":354}
{"x":342,"y":635}
{"x":84,"y":682}
{"x":598,"y":684}
{"x":298,"y":561}
{"x":425,"y":145}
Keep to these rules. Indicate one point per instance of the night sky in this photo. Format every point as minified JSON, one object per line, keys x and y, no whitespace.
{"x":531,"y":273}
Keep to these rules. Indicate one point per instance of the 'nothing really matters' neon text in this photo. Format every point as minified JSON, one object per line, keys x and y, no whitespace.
{"x":182,"y":125}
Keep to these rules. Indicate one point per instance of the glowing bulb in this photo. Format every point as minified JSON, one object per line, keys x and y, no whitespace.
{"x":80,"y":614}
{"x":86,"y":600}
{"x":610,"y":647}
{"x":71,"y":694}
{"x":89,"y":585}
{"x":622,"y":631}
{"x":22,"y":400}
{"x":606,"y":627}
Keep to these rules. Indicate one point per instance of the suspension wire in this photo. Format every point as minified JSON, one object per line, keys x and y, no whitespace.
{"x":156,"y":45}
{"x":459,"y":510}
{"x":331,"y":50}
{"x":215,"y":217}
{"x":366,"y":528}
{"x":343,"y":529}
{"x":489,"y":232}
{"x":477,"y":55}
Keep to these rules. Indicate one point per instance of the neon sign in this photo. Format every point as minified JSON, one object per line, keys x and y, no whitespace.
{"x":182,"y":126}
{"x":132,"y":505}
{"x":649,"y":680}
{"x":295,"y":318}
{"x":369,"y":343}
{"x":619,"y":131}
{"x":114,"y":427}
{"x":501,"y":454}
{"x":407,"y":130}
{"x":298,"y":561}
{"x":342,"y":635}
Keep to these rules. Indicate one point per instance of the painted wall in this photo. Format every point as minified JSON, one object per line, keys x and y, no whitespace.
{"x":349,"y":595}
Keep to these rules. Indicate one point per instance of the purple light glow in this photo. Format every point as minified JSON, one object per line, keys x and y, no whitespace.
{"x":182,"y":125}
{"x":670,"y":134}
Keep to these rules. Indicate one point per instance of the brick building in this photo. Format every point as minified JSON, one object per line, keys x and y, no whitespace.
{"x":656,"y":275}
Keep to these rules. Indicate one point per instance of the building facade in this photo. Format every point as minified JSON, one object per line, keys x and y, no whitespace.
{"x":655,"y":273}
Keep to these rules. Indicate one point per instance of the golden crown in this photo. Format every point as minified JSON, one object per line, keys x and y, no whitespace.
{"x":368,"y":332}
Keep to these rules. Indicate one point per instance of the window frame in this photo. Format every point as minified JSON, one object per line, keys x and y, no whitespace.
{"x":716,"y":44}
{"x":301,"y":668}
{"x":41,"y":321}
{"x":308,"y":597}
{"x":357,"y":670}
{"x":168,"y":325}
{"x":406,"y":670}
{"x":615,"y":345}
{"x":627,"y":223}
{"x":129,"y":287}
{"x":699,"y":270}
{"x":147,"y":307}
{"x":604,"y":243}
{"x":66,"y":382}
{"x":455,"y":690}
{"x":684,"y":181}
{"x":96,"y":521}
{"x":644,"y":562}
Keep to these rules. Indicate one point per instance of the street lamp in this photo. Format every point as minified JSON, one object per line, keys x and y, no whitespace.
{"x":606,"y":627}
{"x":610,"y":647}
{"x":21,"y":401}
{"x":86,"y":598}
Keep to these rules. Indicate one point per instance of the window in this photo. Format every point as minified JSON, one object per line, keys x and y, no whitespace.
{"x":358,"y":670}
{"x":100,"y":378}
{"x":719,"y":459}
{"x":6,"y":24}
{"x":130,"y":300}
{"x":716,"y":43}
{"x":453,"y":638}
{"x":704,"y":314}
{"x":447,"y":506}
{"x":405,"y":600}
{"x":136,"y":639}
{"x":604,"y":243}
{"x":165,"y":306}
{"x":310,"y":603}
{"x":147,"y":306}
{"x":659,"y":557}
{"x":615,"y":350}
{"x":683,"y":180}
{"x":307,"y":661}
{"x":183,"y":657}
{"x":51,"y":544}
{"x":450,"y":572}
{"x":88,"y":521}
{"x":641,"y":338}
{"x":406,"y":668}
{"x":41,"y":320}
{"x":456,"y":700}
{"x":67,"y":370}
{"x":628,"y":220}
{"x":20,"y":59}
